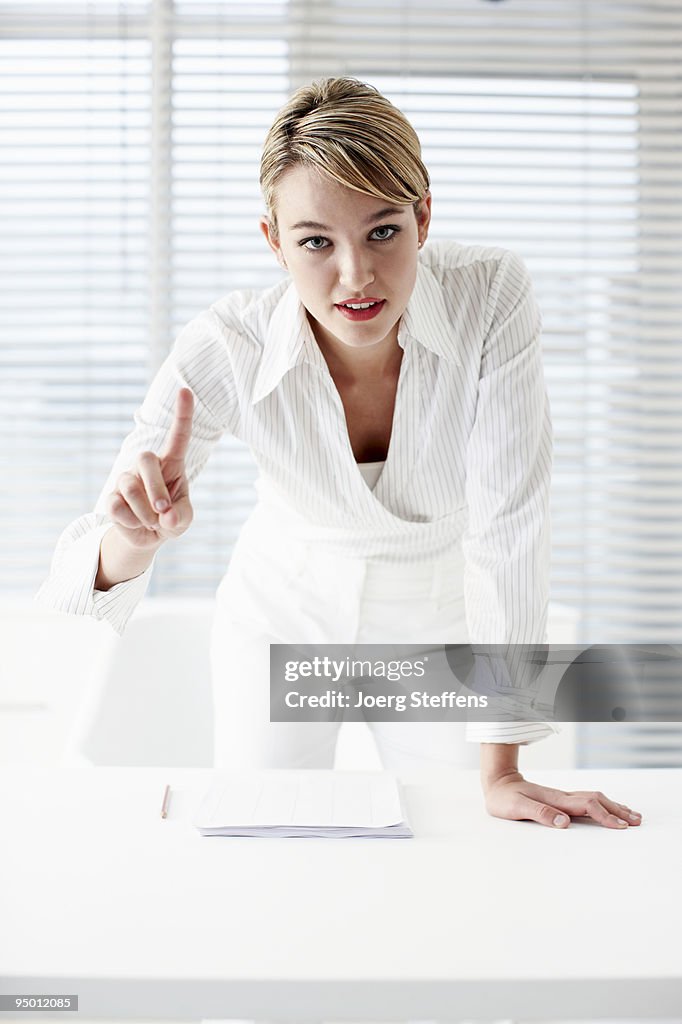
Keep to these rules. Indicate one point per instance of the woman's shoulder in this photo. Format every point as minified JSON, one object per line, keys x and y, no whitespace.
{"x":488,"y":275}
{"x":231,"y":329}
{"x":447,"y":254}
{"x":247,"y":311}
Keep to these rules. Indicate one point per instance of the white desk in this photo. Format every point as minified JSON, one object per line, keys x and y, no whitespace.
{"x":476,"y":917}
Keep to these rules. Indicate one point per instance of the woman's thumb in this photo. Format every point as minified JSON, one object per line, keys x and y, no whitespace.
{"x":178,"y":516}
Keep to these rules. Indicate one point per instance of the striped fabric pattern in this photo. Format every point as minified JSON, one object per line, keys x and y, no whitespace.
{"x":469,"y":461}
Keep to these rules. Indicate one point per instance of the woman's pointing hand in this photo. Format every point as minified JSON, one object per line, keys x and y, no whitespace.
{"x":151,"y":502}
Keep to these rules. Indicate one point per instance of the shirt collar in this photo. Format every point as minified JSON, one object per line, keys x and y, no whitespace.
{"x":289,"y":340}
{"x":426,"y":319}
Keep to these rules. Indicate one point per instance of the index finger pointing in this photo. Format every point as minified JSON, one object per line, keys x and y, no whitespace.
{"x":181,"y":427}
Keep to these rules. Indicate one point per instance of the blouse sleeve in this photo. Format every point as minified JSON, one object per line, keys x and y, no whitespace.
{"x":509,"y":460}
{"x":199,"y":360}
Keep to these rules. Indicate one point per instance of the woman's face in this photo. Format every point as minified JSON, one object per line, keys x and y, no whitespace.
{"x":352,"y":249}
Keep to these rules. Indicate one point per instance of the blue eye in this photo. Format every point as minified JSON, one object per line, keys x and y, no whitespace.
{"x":314,"y":248}
{"x":305,"y":243}
{"x":386,"y":227}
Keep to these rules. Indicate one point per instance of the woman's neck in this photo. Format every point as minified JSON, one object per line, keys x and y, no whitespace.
{"x":350,"y":365}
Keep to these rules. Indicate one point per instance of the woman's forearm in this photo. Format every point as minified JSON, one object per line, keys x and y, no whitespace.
{"x":119,"y":561}
{"x":498,"y":760}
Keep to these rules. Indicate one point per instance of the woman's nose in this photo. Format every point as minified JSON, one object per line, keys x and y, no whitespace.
{"x":355,"y":270}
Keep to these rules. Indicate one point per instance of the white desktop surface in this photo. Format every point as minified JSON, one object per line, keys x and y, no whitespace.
{"x":474,"y":917}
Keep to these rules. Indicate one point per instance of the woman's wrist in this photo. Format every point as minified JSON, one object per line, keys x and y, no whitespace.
{"x":498,"y":761}
{"x":119,"y":560}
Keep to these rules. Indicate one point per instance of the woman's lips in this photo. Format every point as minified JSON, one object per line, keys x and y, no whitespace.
{"x":358,"y":315}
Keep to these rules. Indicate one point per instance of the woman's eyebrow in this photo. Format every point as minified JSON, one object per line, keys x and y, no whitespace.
{"x":316,"y":226}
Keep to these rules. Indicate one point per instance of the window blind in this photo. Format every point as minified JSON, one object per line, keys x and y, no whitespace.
{"x":74,"y":252}
{"x":131,"y":135}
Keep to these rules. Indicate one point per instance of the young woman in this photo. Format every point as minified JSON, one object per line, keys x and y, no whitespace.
{"x":393,"y":398}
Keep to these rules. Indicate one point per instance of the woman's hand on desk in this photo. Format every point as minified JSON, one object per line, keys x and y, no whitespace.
{"x":509,"y":795}
{"x":151,"y":502}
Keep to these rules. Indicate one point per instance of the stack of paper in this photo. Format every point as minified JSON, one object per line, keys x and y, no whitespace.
{"x":321,"y":804}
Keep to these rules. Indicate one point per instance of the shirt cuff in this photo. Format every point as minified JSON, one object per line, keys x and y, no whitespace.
{"x":509,"y":732}
{"x":117,"y":604}
{"x":70,"y":586}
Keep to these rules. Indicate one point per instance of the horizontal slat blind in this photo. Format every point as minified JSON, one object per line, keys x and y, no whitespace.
{"x":131,"y":135}
{"x":129,"y":192}
{"x":617,"y":745}
{"x":74,"y":251}
{"x":225,"y":91}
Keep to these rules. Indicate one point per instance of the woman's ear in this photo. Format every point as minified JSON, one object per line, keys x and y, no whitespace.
{"x":272,"y":240}
{"x":424,"y":217}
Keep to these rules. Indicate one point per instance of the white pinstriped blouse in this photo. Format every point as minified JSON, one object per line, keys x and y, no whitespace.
{"x":470,"y":453}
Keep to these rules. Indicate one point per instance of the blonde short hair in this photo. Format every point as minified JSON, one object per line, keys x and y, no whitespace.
{"x":349,"y":131}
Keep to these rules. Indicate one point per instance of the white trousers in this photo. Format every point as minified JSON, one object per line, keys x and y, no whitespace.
{"x":283,"y":589}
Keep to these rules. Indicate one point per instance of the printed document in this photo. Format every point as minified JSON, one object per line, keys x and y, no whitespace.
{"x":315,"y":803}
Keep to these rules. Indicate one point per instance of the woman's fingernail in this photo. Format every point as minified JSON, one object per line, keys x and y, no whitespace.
{"x":161,"y":505}
{"x":560,"y":820}
{"x":634,"y":816}
{"x":621,"y":822}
